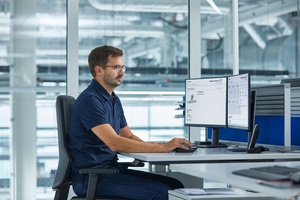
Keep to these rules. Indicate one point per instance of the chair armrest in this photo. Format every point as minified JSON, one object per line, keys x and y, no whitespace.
{"x":98,"y":171}
{"x":94,"y":175}
{"x":135,"y":163}
{"x":93,"y":180}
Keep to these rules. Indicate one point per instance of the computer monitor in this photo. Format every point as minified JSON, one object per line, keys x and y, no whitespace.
{"x":238,"y":103}
{"x":252,"y":112}
{"x":295,"y":82}
{"x":206,"y":104}
{"x":241,"y":106}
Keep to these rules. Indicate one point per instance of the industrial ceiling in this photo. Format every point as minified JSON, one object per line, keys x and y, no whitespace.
{"x":154,"y":37}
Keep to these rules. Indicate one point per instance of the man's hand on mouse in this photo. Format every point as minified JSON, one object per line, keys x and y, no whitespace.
{"x":177,"y":143}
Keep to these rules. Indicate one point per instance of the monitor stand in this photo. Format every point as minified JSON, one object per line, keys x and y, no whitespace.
{"x":214,"y":140}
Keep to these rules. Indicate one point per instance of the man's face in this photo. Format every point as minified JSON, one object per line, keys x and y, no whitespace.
{"x":111,"y":77}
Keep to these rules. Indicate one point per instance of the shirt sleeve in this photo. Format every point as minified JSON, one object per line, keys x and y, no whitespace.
{"x":92,"y":112}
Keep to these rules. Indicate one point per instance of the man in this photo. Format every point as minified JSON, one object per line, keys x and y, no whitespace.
{"x":98,"y":130}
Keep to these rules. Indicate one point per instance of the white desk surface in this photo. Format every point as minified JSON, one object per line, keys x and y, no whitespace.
{"x":222,"y":172}
{"x":210,"y":154}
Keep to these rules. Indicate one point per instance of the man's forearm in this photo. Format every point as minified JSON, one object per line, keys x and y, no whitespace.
{"x":136,"y":138}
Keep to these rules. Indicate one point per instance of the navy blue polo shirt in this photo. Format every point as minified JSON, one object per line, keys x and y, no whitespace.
{"x":93,"y":107}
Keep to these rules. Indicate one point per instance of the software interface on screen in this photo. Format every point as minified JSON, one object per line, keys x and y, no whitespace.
{"x":205,"y":102}
{"x":238,"y":101}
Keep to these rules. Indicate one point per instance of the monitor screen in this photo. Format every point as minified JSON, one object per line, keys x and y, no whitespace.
{"x":205,"y":102}
{"x":239,"y":102}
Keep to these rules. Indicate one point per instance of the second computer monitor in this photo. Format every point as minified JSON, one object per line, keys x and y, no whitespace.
{"x":239,"y":112}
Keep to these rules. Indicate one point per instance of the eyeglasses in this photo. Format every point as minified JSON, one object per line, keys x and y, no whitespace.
{"x":118,"y":68}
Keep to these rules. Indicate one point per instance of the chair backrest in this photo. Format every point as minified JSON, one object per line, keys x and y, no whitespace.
{"x":62,"y":181}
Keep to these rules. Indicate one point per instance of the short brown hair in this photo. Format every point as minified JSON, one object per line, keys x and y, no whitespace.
{"x":99,"y":56}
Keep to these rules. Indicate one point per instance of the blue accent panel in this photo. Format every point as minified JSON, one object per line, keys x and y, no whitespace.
{"x":231,"y":134}
{"x":271,"y":131}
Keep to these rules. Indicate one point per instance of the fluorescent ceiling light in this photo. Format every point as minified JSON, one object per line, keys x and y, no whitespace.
{"x":212,"y":4}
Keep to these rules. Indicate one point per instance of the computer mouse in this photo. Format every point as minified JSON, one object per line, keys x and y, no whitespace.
{"x":191,"y":149}
{"x":295,"y":177}
{"x":180,"y":150}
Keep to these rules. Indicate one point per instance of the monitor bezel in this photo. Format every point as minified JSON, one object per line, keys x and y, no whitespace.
{"x":249,"y":126}
{"x":226,"y":109}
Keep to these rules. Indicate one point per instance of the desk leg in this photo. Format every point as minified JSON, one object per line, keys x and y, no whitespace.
{"x":159,"y":169}
{"x":150,"y":167}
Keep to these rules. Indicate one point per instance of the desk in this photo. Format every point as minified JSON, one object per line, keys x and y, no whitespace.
{"x":204,"y":155}
{"x":210,"y":155}
{"x":173,"y":195}
{"x":222,"y":172}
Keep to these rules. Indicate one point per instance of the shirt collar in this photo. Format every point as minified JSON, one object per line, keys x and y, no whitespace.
{"x":101,"y":90}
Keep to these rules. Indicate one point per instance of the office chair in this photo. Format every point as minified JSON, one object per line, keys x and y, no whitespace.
{"x":62,"y":181}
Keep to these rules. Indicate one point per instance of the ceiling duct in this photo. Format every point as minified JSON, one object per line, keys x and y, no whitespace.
{"x":253,"y":57}
{"x":155,"y":6}
{"x":162,"y":6}
{"x":250,"y":16}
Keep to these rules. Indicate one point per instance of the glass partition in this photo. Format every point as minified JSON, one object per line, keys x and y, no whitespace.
{"x":269,"y":39}
{"x":153,"y":37}
{"x":32,"y":73}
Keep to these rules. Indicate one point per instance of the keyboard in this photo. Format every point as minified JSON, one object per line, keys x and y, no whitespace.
{"x":268,"y":173}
